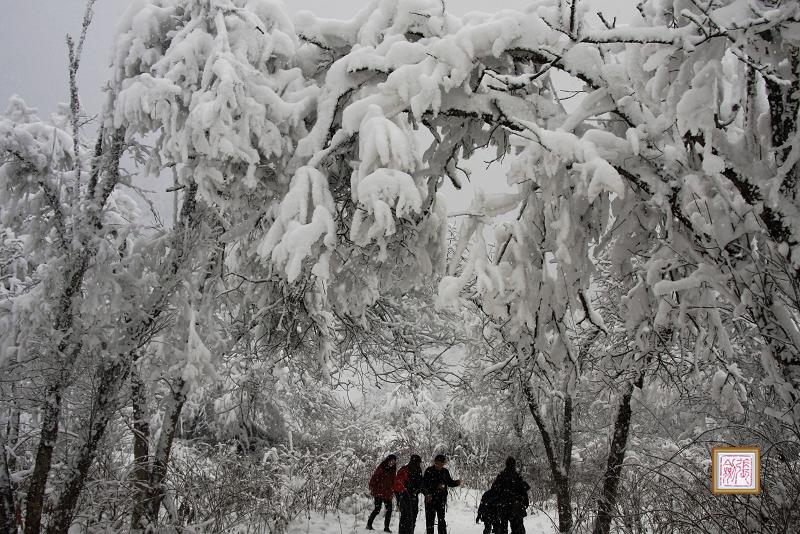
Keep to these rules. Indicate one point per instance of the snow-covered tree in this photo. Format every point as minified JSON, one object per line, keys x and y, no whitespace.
{"x":309,"y":160}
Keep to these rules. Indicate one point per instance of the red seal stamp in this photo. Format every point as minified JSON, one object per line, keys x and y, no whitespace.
{"x":736,"y":470}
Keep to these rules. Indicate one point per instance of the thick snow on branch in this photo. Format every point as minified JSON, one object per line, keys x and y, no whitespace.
{"x":685,"y":140}
{"x":305,"y":216}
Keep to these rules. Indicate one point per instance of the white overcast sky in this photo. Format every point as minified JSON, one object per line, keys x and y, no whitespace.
{"x":33,"y":58}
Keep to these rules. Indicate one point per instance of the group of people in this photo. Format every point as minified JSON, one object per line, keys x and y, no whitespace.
{"x":406,"y":485}
{"x":504,"y":504}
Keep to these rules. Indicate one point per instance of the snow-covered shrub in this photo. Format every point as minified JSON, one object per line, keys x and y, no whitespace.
{"x":217,"y":488}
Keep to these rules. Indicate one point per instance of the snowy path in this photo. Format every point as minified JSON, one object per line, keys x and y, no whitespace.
{"x":460,"y":520}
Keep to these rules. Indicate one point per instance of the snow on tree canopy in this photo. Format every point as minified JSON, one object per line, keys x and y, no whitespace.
{"x":317,"y":126}
{"x":222,"y":93}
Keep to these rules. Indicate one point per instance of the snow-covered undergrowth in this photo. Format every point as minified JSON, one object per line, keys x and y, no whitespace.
{"x":228,"y":490}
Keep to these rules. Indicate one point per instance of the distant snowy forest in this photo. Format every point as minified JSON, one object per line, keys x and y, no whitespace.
{"x":627,"y":301}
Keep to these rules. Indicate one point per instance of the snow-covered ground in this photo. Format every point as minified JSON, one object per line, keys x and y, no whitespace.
{"x":462,"y":507}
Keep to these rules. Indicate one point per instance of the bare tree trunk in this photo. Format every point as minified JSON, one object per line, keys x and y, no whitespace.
{"x":12,"y":434}
{"x":141,"y":450}
{"x":558,"y":470}
{"x":7,"y":501}
{"x":44,"y":458}
{"x":8,"y":441}
{"x":150,"y":482}
{"x":109,"y":381}
{"x":68,"y":346}
{"x":616,"y":455}
{"x":163,"y":450}
{"x":566,"y":458}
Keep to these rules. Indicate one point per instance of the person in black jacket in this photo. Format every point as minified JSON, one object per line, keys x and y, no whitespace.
{"x":488,"y":512}
{"x":434,"y":485}
{"x":407,"y":487}
{"x":512,"y":495}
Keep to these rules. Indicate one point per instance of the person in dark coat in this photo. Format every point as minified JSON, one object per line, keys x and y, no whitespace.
{"x":512,"y":496}
{"x":381,"y":484}
{"x":488,"y":512}
{"x":435,"y":482}
{"x":407,"y":487}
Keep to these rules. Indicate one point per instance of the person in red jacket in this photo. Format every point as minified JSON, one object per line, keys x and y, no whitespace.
{"x":407,"y":487}
{"x":381,"y":484}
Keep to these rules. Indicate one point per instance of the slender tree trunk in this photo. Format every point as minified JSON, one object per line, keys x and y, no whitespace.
{"x":68,"y":350}
{"x":8,"y":441}
{"x":566,"y":459}
{"x":141,"y":450}
{"x":44,"y":458}
{"x":150,"y":482}
{"x":557,"y":468}
{"x":163,"y":450}
{"x":110,"y":380}
{"x":7,"y":501}
{"x":12,"y":435}
{"x":606,"y":504}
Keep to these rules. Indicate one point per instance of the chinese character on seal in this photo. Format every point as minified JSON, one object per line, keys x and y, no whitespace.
{"x":736,"y":470}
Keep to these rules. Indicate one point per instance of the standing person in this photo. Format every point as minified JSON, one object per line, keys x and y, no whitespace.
{"x":407,"y":487}
{"x":512,"y":495}
{"x":381,"y":484}
{"x":435,"y":483}
{"x":488,"y":512}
